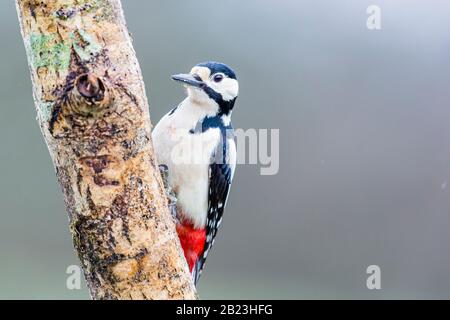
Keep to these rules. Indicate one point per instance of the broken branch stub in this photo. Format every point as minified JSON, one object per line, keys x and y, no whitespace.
{"x":92,"y":89}
{"x":90,"y":96}
{"x":93,"y":113}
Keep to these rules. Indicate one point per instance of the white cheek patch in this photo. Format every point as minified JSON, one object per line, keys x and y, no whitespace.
{"x":228,"y":88}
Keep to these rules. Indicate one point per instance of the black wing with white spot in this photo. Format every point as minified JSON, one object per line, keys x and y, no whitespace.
{"x":220,"y":177}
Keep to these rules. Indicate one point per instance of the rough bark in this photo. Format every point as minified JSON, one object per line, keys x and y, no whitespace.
{"x":93,"y":113}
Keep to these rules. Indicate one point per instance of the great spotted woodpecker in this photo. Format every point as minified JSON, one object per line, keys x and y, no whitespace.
{"x":195,"y":141}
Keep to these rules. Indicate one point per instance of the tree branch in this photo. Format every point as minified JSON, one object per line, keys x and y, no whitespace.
{"x":93,"y":113}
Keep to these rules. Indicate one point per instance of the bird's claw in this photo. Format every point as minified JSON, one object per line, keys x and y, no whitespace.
{"x":170,"y":194}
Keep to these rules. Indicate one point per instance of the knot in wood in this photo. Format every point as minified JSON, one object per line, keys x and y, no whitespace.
{"x":90,"y":95}
{"x":90,"y":87}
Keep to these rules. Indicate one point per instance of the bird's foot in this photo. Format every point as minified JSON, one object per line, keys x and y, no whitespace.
{"x":170,"y":194}
{"x":164,"y":170}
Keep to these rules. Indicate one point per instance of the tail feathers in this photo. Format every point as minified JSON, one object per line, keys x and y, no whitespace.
{"x":196,"y":272}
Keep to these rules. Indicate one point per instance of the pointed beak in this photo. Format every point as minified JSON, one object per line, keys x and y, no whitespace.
{"x":189,"y":80}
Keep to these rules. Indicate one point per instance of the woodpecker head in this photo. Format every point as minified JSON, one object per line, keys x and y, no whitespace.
{"x":211,"y":83}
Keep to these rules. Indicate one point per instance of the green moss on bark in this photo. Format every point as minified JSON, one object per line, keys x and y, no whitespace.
{"x":48,"y":53}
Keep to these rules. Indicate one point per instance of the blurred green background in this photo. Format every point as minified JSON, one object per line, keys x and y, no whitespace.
{"x":364,"y":119}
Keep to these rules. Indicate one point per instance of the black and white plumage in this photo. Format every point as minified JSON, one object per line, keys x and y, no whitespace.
{"x":196,"y":143}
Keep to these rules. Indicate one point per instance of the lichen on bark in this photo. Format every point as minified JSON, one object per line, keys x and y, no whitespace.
{"x":93,"y":113}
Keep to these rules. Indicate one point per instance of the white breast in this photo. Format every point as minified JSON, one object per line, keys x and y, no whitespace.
{"x":187,"y":157}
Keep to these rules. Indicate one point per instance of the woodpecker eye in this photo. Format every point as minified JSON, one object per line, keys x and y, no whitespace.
{"x":218,"y":77}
